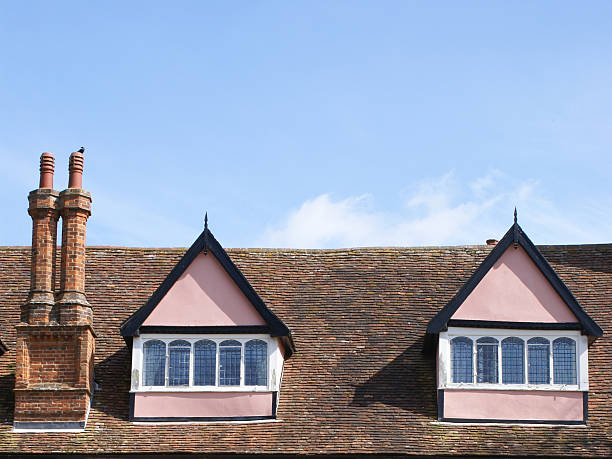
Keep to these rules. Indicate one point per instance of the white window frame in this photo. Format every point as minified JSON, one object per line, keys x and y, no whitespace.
{"x":275,"y":363}
{"x":445,"y":363}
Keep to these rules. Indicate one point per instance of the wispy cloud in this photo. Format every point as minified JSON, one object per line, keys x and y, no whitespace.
{"x":439,"y":211}
{"x":134,"y":223}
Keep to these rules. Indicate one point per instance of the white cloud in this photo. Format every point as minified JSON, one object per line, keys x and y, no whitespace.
{"x":438,"y":211}
{"x":324,"y":222}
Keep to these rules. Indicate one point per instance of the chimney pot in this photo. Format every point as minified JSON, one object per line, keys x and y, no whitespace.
{"x":47,"y":167}
{"x":75,"y":168}
{"x":492,"y":241}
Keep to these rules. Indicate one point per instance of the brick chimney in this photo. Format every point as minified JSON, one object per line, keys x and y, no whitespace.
{"x":75,"y":209}
{"x":55,"y":339}
{"x":44,"y":212}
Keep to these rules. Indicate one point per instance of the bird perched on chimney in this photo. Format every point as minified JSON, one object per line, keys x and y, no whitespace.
{"x":81,"y":150}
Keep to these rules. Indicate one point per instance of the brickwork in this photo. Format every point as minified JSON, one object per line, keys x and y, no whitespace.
{"x":44,"y":213}
{"x":75,"y":205}
{"x":51,"y":405}
{"x":55,"y":340}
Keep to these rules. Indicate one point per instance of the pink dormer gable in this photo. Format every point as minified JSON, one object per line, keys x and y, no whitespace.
{"x":515,"y":290}
{"x":204,"y":295}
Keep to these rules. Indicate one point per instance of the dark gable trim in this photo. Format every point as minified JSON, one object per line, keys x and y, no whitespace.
{"x":207,"y":242}
{"x":514,"y":235}
{"x":514,"y":325}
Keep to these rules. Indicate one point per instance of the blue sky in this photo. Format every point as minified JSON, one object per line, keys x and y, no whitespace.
{"x":313,"y":123}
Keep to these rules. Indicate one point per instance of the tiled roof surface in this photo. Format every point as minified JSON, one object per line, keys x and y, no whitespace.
{"x":359,"y":381}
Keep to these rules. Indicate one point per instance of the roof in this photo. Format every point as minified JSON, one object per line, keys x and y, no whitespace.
{"x":359,"y":382}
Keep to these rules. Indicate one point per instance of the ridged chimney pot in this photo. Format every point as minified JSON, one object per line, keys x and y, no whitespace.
{"x":47,"y":167}
{"x":75,"y":169}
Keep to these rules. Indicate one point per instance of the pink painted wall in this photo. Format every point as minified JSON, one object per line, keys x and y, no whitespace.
{"x":204,"y":295}
{"x":202,"y":404}
{"x":515,"y":290}
{"x":513,"y":405}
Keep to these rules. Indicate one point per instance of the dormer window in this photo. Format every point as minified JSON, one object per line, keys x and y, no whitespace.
{"x":513,"y":360}
{"x":564,"y":361}
{"x":218,"y":364}
{"x":513,"y":342}
{"x":486,"y":358}
{"x":539,"y":360}
{"x":230,"y":352}
{"x":205,"y":362}
{"x":205,"y":347}
{"x":154,"y":363}
{"x":474,"y":361}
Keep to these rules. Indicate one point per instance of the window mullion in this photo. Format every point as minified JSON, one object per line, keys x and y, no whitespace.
{"x":551,"y":369}
{"x":167,"y":366}
{"x":217,"y":370}
{"x":475,"y":361}
{"x":191,"y":351}
{"x":499,"y":360}
{"x":242,"y":353}
{"x":526,"y":360}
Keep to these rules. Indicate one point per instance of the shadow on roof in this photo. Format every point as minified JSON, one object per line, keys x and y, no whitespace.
{"x":7,"y":398}
{"x":113,"y":378}
{"x":407,"y":382}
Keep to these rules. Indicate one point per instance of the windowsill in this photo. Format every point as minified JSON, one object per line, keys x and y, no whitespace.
{"x":206,"y":389}
{"x":518,"y":387}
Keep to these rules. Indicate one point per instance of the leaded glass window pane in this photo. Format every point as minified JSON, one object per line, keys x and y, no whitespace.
{"x":256,"y":363}
{"x":513,"y":361}
{"x":229,"y":363}
{"x":461,"y":356}
{"x":538,"y":356}
{"x":154,"y":363}
{"x":486,"y":360}
{"x":178,"y":363}
{"x":204,"y":363}
{"x":564,"y":361}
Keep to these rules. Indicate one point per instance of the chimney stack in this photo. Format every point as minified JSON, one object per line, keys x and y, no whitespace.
{"x":75,"y":209}
{"x":44,"y":211}
{"x":55,"y":339}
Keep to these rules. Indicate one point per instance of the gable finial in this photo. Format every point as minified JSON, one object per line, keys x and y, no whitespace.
{"x":206,"y":233}
{"x":516,"y":235}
